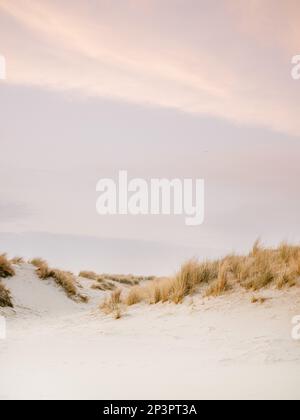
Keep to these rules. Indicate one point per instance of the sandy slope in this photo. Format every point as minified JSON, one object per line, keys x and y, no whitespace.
{"x":219,"y":348}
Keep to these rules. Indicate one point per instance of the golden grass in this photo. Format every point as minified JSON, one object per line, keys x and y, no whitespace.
{"x":103,"y":286}
{"x":221,"y":285}
{"x":90,"y":275}
{"x":264,"y":267}
{"x":261,"y":268}
{"x":64,"y":279}
{"x":190,"y":277}
{"x":37,"y":262}
{"x":43,"y":270}
{"x":134,"y":296}
{"x":259,"y":300}
{"x":5,"y":297}
{"x":288,"y":278}
{"x":126,"y":280}
{"x":184,"y":282}
{"x":100,"y":283}
{"x":82,"y":298}
{"x":6,"y":269}
{"x":157,"y":291}
{"x":113,"y":304}
{"x":17,"y":260}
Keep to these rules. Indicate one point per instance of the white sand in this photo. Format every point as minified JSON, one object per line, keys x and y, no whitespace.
{"x":219,"y":348}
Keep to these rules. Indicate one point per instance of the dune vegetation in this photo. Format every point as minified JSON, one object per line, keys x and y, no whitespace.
{"x":104,"y":286}
{"x":262,"y":268}
{"x":111,"y":282}
{"x":64,"y":279}
{"x":258,"y":299}
{"x":128,"y":280}
{"x":5,"y":297}
{"x":113,"y":304}
{"x":17,"y":261}
{"x":6,"y":268}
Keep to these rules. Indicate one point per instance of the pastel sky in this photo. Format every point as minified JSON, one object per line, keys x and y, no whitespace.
{"x":173,"y":88}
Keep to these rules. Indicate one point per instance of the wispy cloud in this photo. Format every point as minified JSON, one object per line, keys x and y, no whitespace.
{"x":227,"y":59}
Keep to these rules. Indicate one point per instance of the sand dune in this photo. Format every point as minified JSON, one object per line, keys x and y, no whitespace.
{"x":226,"y":347}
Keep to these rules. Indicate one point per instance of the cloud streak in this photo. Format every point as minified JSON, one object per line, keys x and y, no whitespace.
{"x":212,"y":58}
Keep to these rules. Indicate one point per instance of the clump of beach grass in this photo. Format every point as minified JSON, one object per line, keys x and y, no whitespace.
{"x":126,"y":280}
{"x":112,"y":305}
{"x":191,"y":276}
{"x":5,"y":297}
{"x":103,"y":286}
{"x":262,"y":268}
{"x":64,"y":279}
{"x":17,"y":261}
{"x":99,"y":282}
{"x":134,"y":296}
{"x":259,"y":300}
{"x":220,"y":285}
{"x":90,"y":275}
{"x":6,"y":268}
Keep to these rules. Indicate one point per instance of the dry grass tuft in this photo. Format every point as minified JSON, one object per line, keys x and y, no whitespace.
{"x":287,"y":278}
{"x":64,"y":279}
{"x":5,"y":297}
{"x":17,"y":261}
{"x":265,"y":267}
{"x":37,"y":262}
{"x":191,"y":276}
{"x":43,"y":270}
{"x":127,"y":280}
{"x":256,"y":249}
{"x":6,"y":269}
{"x":259,"y":300}
{"x":113,"y":304}
{"x":134,"y":296}
{"x":175,"y":289}
{"x":83,"y":298}
{"x":100,"y":283}
{"x":159,"y":291}
{"x":103,"y":286}
{"x":90,"y":275}
{"x":221,"y":285}
{"x":185,"y":281}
